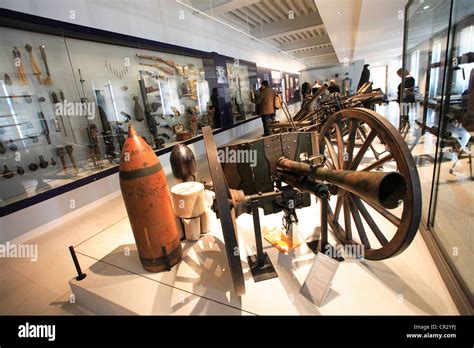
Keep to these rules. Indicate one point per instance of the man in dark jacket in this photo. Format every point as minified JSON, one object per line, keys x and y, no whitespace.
{"x":333,"y":87}
{"x":217,"y":110}
{"x":408,"y":86}
{"x":364,"y":77}
{"x":306,"y":88}
{"x":266,"y":106}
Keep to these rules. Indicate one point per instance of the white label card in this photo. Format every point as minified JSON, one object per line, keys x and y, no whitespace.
{"x":319,"y":279}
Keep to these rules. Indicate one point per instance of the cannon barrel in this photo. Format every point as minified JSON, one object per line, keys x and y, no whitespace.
{"x":385,"y":189}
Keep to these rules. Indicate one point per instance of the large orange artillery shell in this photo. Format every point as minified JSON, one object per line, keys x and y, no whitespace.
{"x":148,"y":203}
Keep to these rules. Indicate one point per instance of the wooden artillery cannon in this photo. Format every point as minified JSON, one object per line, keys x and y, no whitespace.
{"x":329,"y":163}
{"x":315,"y":111}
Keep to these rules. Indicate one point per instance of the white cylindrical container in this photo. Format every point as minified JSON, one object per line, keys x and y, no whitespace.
{"x":189,"y":200}
{"x":192,"y":229}
{"x":205,"y":226}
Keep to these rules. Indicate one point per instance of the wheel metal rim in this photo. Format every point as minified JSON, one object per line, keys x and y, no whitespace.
{"x":411,"y":215}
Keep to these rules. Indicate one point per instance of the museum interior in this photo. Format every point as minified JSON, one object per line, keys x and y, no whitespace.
{"x":236,"y":157}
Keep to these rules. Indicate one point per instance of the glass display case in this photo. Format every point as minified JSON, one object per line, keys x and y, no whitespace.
{"x":242,"y":77}
{"x":67,"y":98}
{"x":291,"y":88}
{"x":439,"y":55}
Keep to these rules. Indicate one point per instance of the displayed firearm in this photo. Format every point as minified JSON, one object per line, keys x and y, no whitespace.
{"x":160,"y":67}
{"x":94,"y":149}
{"x":34,"y":64}
{"x":151,"y":122}
{"x":170,"y":63}
{"x":20,"y":70}
{"x":44,"y":125}
{"x":106,"y":127}
{"x":63,"y":99}
{"x":120,"y":134}
{"x":48,"y":80}
{"x":56,"y":101}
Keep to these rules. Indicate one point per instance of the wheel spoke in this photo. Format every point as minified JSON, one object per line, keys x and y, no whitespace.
{"x":350,"y":143}
{"x":373,"y":226}
{"x":358,"y":223}
{"x":376,"y":154}
{"x":378,"y":163}
{"x":332,"y":153}
{"x":384,"y":212}
{"x":338,"y":207}
{"x":363,"y":149}
{"x":340,"y":144}
{"x":347,"y":219}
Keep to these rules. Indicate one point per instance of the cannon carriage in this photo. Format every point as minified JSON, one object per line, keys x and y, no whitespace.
{"x":356,"y":164}
{"x":351,"y":158}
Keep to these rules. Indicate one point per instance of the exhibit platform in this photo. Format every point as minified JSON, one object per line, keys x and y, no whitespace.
{"x":201,"y":283}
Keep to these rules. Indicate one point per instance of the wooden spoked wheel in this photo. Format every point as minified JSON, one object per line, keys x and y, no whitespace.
{"x":383,"y":233}
{"x":226,"y":213}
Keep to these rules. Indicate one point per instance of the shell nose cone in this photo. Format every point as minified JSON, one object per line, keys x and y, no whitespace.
{"x":131,"y":131}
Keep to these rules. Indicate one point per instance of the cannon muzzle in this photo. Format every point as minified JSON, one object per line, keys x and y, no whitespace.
{"x":385,"y":189}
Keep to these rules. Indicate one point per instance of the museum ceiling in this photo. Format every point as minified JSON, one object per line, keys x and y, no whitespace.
{"x":293,"y":26}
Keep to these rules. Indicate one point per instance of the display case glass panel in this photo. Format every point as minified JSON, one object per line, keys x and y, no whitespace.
{"x":439,"y":54}
{"x":41,"y":147}
{"x":242,"y":87}
{"x":66,"y":103}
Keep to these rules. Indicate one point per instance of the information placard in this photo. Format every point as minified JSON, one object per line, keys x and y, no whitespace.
{"x":318,"y":282}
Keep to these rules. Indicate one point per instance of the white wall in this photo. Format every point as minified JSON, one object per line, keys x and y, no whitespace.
{"x":157,"y":20}
{"x":392,"y":78}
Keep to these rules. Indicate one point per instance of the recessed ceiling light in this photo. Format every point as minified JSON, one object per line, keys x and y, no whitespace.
{"x":338,"y":12}
{"x":426,"y":7}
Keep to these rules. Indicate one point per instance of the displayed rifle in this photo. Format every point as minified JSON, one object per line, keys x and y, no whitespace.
{"x":148,"y":116}
{"x":106,"y":128}
{"x":48,"y":80}
{"x":170,"y":63}
{"x":20,"y":70}
{"x":45,"y":127}
{"x":34,"y":64}
{"x":162,"y":68}
{"x":91,"y":128}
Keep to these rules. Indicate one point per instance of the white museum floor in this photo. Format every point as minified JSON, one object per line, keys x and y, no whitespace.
{"x":406,"y":284}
